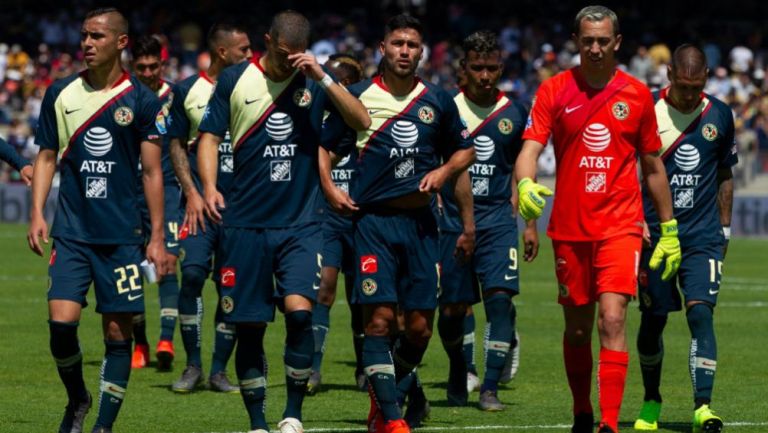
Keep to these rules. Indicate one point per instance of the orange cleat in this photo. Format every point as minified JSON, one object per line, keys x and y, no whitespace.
{"x":164,"y":354}
{"x":140,"y":356}
{"x":375,"y":421}
{"x":397,"y":426}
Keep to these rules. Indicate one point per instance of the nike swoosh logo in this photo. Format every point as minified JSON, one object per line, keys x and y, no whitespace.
{"x":71,"y":111}
{"x":508,"y":278}
{"x":200,"y":107}
{"x":133,"y":298}
{"x":315,"y":287}
{"x":172,"y":244}
{"x":248,"y":102}
{"x":714,"y":292}
{"x":569,"y":110}
{"x":666,"y":130}
{"x":372,"y":112}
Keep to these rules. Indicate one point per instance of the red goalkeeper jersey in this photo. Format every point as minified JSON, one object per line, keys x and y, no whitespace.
{"x":597,"y":136}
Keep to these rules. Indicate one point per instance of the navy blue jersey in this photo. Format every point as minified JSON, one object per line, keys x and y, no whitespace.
{"x":166,"y":99}
{"x":694,"y":147}
{"x":496,"y":132}
{"x":98,"y":135}
{"x":9,"y":155}
{"x":275,"y":128}
{"x":190,"y":97}
{"x":343,"y":175}
{"x":408,"y":137}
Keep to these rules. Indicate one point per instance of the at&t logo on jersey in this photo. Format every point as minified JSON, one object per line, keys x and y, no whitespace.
{"x":226,"y":160}
{"x":341,"y":176}
{"x":687,"y":159}
{"x":97,"y":142}
{"x":484,"y":149}
{"x":279,"y":126}
{"x":596,"y":137}
{"x":280,"y":129}
{"x":405,"y":133}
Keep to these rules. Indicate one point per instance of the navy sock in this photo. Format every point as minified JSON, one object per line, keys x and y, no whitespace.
{"x":406,"y":356}
{"x":321,"y":323}
{"x":224,"y":345}
{"x":299,"y":345}
{"x":650,"y":348}
{"x":703,"y":355}
{"x":191,"y":312}
{"x":69,"y":359}
{"x":358,"y":335}
{"x":498,"y":335}
{"x":469,"y":343}
{"x":115,"y":371}
{"x":377,"y":362}
{"x":251,"y":368}
{"x":451,"y":329}
{"x":169,"y":306}
{"x":140,"y":329}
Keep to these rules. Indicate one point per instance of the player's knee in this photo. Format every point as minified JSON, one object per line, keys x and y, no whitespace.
{"x":578,"y":336}
{"x":298,"y":320}
{"x":699,"y":315}
{"x":192,"y":281}
{"x":63,"y":342}
{"x":453,"y":310}
{"x":325,"y":295}
{"x":419,"y":332}
{"x":117,"y":326}
{"x":651,"y":328}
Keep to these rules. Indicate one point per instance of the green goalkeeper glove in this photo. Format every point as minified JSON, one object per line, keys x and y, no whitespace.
{"x":530,"y":203}
{"x":669,"y":247}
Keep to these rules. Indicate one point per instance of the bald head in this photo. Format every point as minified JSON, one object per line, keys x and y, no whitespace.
{"x":115,"y":19}
{"x":689,"y":60}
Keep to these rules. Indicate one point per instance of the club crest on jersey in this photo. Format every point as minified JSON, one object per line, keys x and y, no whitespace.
{"x":506,"y":126}
{"x":123,"y":116}
{"x":620,"y":110}
{"x":427,"y":114}
{"x":227,"y":304}
{"x":369,"y":286}
{"x":709,"y":132}
{"x":302,"y":97}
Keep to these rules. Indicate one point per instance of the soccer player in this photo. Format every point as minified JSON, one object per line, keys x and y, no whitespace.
{"x":99,"y":123}
{"x":600,"y":120}
{"x":337,"y":250}
{"x":414,"y":126}
{"x":228,"y":44}
{"x":273,"y":107}
{"x":148,"y":68}
{"x":495,"y":124}
{"x":698,"y":151}
{"x":18,"y":162}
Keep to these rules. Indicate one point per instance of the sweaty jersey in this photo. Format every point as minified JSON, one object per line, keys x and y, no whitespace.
{"x":190,"y":97}
{"x":694,"y":147}
{"x":496,"y":133}
{"x":597,"y":136}
{"x":98,"y":135}
{"x":275,"y":129}
{"x":408,"y":137}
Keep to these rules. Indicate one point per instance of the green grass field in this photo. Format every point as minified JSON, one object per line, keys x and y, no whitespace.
{"x":32,"y":398}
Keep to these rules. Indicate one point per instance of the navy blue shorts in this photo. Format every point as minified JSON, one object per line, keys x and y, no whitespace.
{"x":259,"y":267}
{"x":113,"y":269}
{"x":698,"y":278}
{"x":172,"y":215}
{"x":494,"y":265}
{"x":199,"y":250}
{"x":338,"y":240}
{"x":397,"y":257}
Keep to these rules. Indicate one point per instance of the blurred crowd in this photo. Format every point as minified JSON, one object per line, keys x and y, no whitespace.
{"x":48,"y":48}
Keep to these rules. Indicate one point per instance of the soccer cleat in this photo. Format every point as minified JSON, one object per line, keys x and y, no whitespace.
{"x":705,"y":421}
{"x":74,"y":416}
{"x":489,"y":402}
{"x":290,"y":425}
{"x":583,"y":422}
{"x":604,"y":428}
{"x":164,"y":354}
{"x":473,"y":382}
{"x":513,"y":362}
{"x":648,"y":419}
{"x":418,"y":410}
{"x":397,"y":426}
{"x":190,"y":379}
{"x":220,"y":383}
{"x":375,"y":422}
{"x":140,"y":356}
{"x":313,"y":384}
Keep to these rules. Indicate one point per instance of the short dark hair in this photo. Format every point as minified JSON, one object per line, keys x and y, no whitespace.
{"x":596,"y":13}
{"x":146,"y":45}
{"x":291,"y":26}
{"x":218,"y":29}
{"x":481,"y":42}
{"x":403,"y":21}
{"x":346,"y":67}
{"x":690,"y":57}
{"x":122,"y":23}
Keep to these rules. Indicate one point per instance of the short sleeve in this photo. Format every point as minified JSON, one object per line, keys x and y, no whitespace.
{"x":216,"y":117}
{"x":150,"y":120}
{"x":538,"y":127}
{"x":727,"y":153}
{"x":178,"y":126}
{"x":648,"y":138}
{"x":47,"y":134}
{"x":9,"y":155}
{"x":455,"y":135}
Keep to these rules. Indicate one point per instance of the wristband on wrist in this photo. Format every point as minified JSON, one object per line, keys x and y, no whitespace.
{"x":727,"y":232}
{"x":326,"y":81}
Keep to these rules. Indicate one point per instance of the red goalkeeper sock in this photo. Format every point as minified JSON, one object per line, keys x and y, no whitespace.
{"x":611,"y":377}
{"x":578,"y":367}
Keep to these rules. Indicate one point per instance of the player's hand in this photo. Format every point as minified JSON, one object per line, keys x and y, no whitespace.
{"x":156,"y":255}
{"x":214,"y":202}
{"x":531,"y":243}
{"x":195,"y":213}
{"x":434,"y":180}
{"x":668,"y":248}
{"x":531,"y":204}
{"x":646,"y":235}
{"x":340,"y":201}
{"x":37,"y":228}
{"x":465,"y":247}
{"x":307,"y":64}
{"x":26,"y":174}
